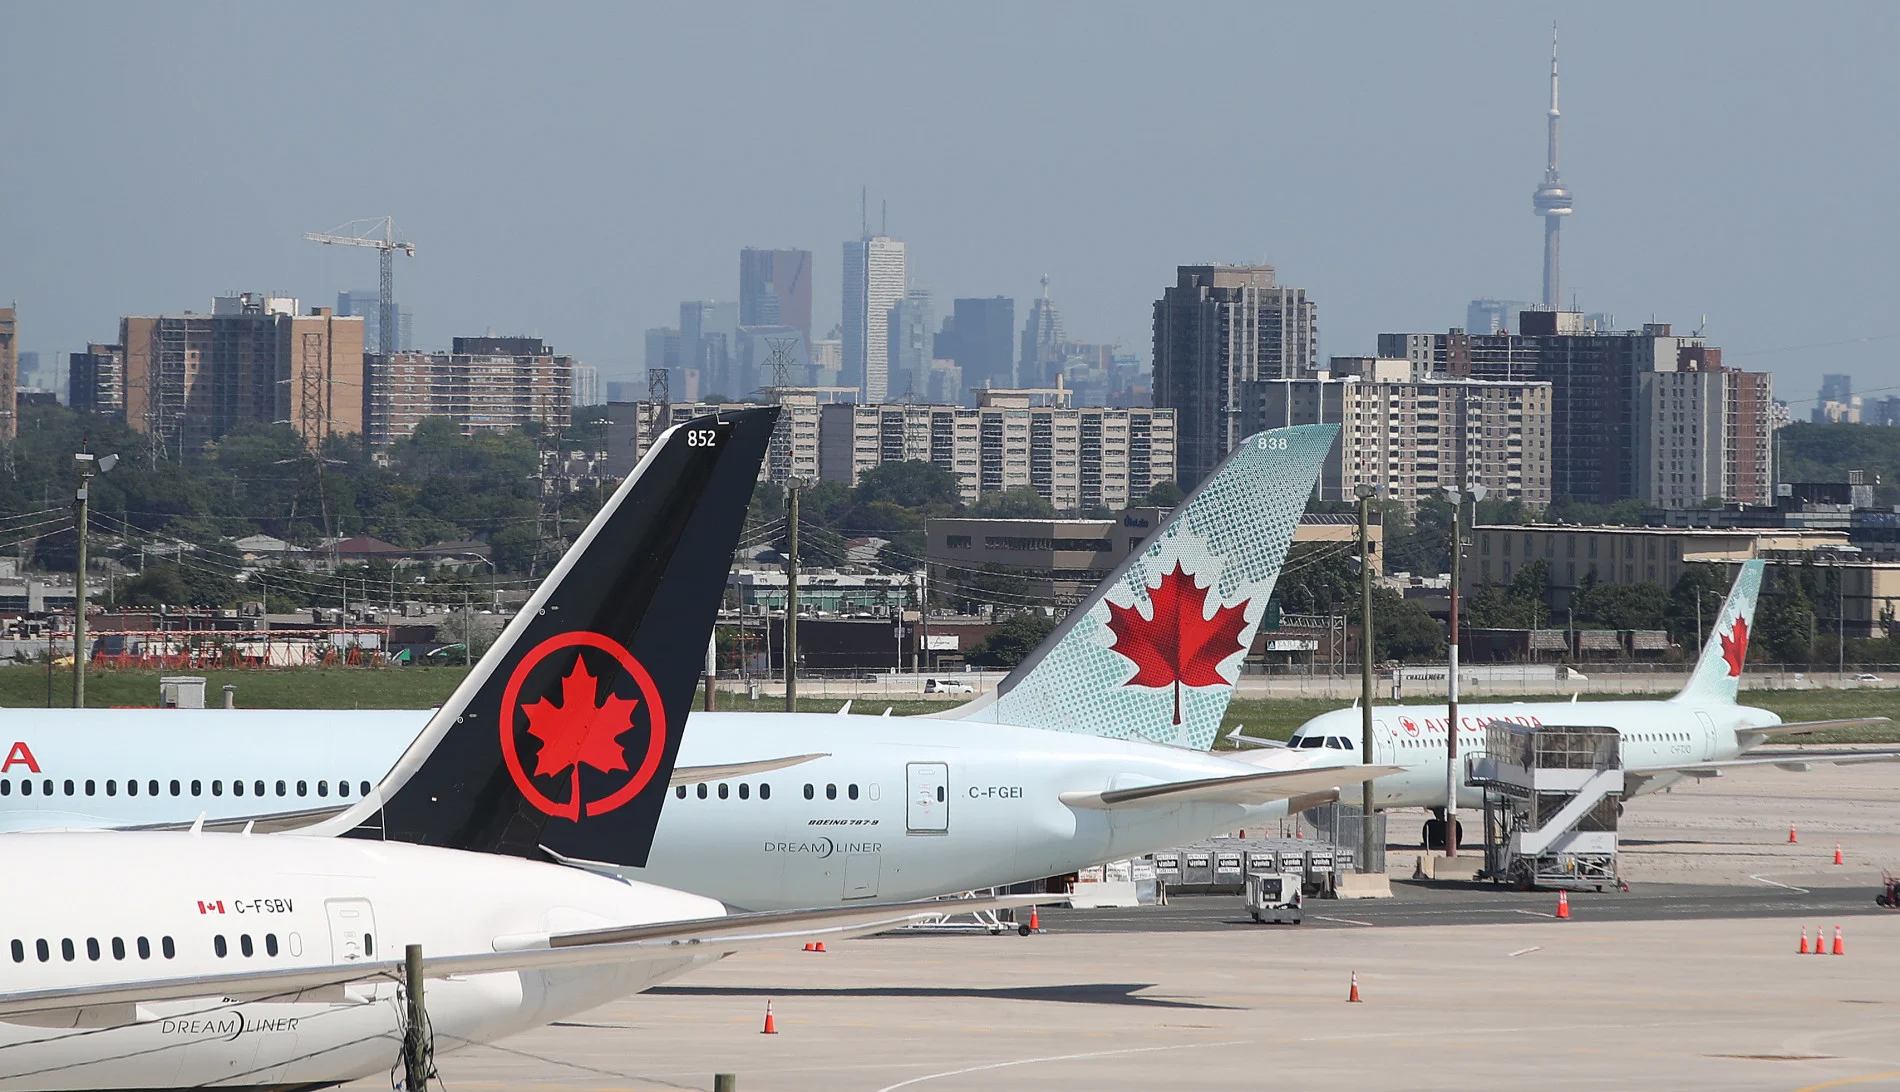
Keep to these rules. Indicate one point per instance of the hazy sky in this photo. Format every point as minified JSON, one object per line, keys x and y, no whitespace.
{"x":575,"y":170}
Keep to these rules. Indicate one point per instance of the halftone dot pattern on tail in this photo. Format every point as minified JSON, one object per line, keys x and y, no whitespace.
{"x":1230,"y":537}
{"x":1718,"y":671}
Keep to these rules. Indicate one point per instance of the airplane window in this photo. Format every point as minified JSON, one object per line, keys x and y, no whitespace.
{"x":46,"y":787}
{"x":112,"y":788}
{"x":197,"y":788}
{"x":91,"y":786}
{"x":92,"y":948}
{"x":6,"y":788}
{"x":303,"y":788}
{"x":118,"y":947}
{"x":237,"y":788}
{"x":217,"y":788}
{"x":342,"y":788}
{"x":939,"y":794}
{"x":745,"y":791}
{"x":244,"y":945}
{"x":270,"y":943}
{"x":257,"y":788}
{"x":175,"y":788}
{"x":19,"y":952}
{"x":145,"y":948}
{"x":280,"y":788}
{"x":369,"y":945}
{"x":40,"y":949}
{"x":765,"y":792}
{"x":365,"y":787}
{"x":831,"y":792}
{"x":66,"y":949}
{"x":323,"y":788}
{"x":701,"y":790}
{"x":165,"y":944}
{"x":679,"y":791}
{"x":808,"y":793}
{"x":69,"y":786}
{"x":218,"y":945}
{"x":724,"y":790}
{"x":151,"y":788}
{"x":851,"y":791}
{"x":1332,"y":743}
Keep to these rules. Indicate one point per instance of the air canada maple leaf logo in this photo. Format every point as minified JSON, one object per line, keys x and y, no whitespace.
{"x":1177,"y":645}
{"x":1735,"y":648}
{"x":581,"y":725}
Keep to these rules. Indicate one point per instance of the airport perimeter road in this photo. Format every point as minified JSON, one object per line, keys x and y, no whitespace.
{"x":1416,"y":903}
{"x":1539,"y":1005}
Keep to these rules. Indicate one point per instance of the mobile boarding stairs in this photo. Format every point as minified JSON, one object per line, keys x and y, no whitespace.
{"x":1552,"y":798}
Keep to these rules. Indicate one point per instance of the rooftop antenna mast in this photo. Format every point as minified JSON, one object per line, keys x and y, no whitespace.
{"x":382,"y":234}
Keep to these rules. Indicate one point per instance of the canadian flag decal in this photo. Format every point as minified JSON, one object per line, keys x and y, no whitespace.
{"x":213,"y":907}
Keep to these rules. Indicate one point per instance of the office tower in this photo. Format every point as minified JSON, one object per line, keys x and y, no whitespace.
{"x":874,"y":280}
{"x":662,"y":353}
{"x":979,"y":335}
{"x":1042,"y":341}
{"x":1836,"y":404}
{"x":775,"y":289}
{"x":1489,"y":316}
{"x":96,"y":381}
{"x":1218,"y":327}
{"x":484,"y":384}
{"x":708,"y":333}
{"x":28,"y":371}
{"x":191,"y":378}
{"x":367,"y":305}
{"x":9,"y":374}
{"x":911,"y":339}
{"x":1410,"y":436}
{"x":1552,"y":199}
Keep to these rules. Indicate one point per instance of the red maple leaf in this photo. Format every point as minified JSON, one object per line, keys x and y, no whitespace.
{"x":1735,"y":648}
{"x":580,"y":729}
{"x":1178,"y":646}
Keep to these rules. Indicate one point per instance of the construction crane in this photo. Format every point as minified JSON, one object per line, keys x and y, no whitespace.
{"x":379,"y":232}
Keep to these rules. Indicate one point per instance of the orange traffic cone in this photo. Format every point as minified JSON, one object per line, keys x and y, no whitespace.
{"x":771,"y":1026}
{"x":1035,"y":920}
{"x":1353,"y":997}
{"x":1820,"y":944}
{"x":1837,"y":854}
{"x":818,"y":947}
{"x":1839,"y":948}
{"x":1804,"y":941}
{"x":812,"y":948}
{"x":1791,"y":838}
{"x":1563,"y":906}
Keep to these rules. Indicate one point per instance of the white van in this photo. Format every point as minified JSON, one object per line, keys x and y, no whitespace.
{"x":948,"y":686}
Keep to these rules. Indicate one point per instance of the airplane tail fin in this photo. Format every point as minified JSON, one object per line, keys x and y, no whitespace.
{"x":1718,"y":672}
{"x":1154,"y":652}
{"x":561,"y":740}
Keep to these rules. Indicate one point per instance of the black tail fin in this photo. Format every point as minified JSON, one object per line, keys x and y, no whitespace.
{"x":562,"y":738}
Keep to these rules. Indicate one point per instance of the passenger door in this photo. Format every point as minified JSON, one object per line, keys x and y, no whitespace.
{"x":352,"y":930}
{"x":1706,"y":726}
{"x":928,"y":808}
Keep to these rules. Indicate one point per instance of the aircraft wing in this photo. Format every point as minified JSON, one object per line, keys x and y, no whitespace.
{"x":693,"y":775}
{"x":1793,"y":761}
{"x":109,"y":1004}
{"x":1800,"y":727}
{"x":1259,"y":788}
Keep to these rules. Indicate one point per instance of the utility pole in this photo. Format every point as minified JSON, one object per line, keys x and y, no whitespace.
{"x":1452,"y":779}
{"x":415,"y":1040}
{"x":468,"y":628}
{"x":791,"y":596}
{"x":87,"y":467}
{"x":1366,"y":823}
{"x":712,"y":666}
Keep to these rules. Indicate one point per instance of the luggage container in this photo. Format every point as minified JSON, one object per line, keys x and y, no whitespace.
{"x":1230,"y":871}
{"x":1197,"y":867}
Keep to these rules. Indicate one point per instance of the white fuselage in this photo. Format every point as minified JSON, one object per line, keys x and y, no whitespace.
{"x":1654,"y":734}
{"x":871,"y":826}
{"x":99,"y":907}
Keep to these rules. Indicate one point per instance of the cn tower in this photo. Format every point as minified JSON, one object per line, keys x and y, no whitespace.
{"x":1552,"y":199}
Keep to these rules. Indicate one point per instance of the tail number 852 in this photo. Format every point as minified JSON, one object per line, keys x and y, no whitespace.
{"x":702,"y":437}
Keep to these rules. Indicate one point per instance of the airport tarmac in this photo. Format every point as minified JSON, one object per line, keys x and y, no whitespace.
{"x":1690,"y":980}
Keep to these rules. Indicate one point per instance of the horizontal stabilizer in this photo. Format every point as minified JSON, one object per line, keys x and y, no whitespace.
{"x":1802,"y":727}
{"x":1791,"y":761}
{"x":693,"y":775}
{"x":635,"y":944}
{"x":1260,"y":788}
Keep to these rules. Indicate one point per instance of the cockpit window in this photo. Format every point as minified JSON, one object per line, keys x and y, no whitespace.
{"x":1308,"y":742}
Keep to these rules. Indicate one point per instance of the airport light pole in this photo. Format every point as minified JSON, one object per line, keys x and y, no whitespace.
{"x":87,"y":466}
{"x":791,"y":597}
{"x":1452,"y":779}
{"x":1366,"y":824}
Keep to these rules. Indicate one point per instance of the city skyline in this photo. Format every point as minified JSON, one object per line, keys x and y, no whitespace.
{"x":1070,"y":188}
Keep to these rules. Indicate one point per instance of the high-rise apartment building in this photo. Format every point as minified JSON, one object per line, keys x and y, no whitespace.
{"x":9,"y":374}
{"x":1075,"y":458}
{"x":1411,"y":435}
{"x":979,"y":336}
{"x":483,"y":383}
{"x":1704,"y":432}
{"x":912,"y":330}
{"x":775,"y":289}
{"x":189,"y":379}
{"x":95,"y":381}
{"x":1220,"y":327}
{"x":1043,"y":351}
{"x":367,"y":305}
{"x":1595,"y":378}
{"x":874,"y":282}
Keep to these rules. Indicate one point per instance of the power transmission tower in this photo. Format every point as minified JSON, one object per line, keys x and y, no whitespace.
{"x":659,"y":399}
{"x":380,"y":233}
{"x":781,"y":361}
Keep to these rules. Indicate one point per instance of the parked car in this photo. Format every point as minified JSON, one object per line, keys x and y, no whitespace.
{"x":948,"y":686}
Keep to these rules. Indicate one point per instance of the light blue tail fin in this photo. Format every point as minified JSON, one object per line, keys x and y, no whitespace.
{"x":1155,"y":651}
{"x":1718,"y":672}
